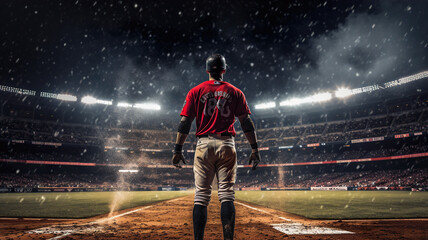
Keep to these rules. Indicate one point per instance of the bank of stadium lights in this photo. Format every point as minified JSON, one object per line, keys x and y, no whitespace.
{"x":22,"y":91}
{"x":343,"y":92}
{"x":265,"y":105}
{"x":128,"y":171}
{"x":144,"y":106}
{"x":92,"y":100}
{"x":147,"y":106}
{"x":66,"y":97}
{"x":320,"y":97}
{"x":405,"y":80}
{"x":60,"y":96}
{"x":124,"y":105}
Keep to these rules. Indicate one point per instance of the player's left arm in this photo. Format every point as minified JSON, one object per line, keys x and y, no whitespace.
{"x":249,"y":130}
{"x":183,"y":130}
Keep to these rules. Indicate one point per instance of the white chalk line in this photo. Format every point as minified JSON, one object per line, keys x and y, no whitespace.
{"x":294,"y":228}
{"x":120,"y":215}
{"x":61,"y":236}
{"x":173,"y":200}
{"x":263,"y":211}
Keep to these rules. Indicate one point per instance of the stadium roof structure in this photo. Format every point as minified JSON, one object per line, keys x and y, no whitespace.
{"x":342,"y":93}
{"x":321,"y":97}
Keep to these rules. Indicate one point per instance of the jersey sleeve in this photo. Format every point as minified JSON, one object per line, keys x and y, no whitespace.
{"x":242,"y":105}
{"x":189,"y":107}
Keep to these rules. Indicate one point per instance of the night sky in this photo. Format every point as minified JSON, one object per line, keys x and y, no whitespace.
{"x":156,"y":50}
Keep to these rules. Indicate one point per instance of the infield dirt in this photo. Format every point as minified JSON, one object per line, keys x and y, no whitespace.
{"x":173,"y":220}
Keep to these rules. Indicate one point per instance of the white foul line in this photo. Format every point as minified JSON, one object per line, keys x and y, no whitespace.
{"x":61,"y":236}
{"x":120,"y":215}
{"x":263,"y":211}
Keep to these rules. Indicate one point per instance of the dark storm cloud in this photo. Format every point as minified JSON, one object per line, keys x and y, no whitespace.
{"x":368,"y":49}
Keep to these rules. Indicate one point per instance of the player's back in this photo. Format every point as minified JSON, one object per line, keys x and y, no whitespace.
{"x":215,"y":104}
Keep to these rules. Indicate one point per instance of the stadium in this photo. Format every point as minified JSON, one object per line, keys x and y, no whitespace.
{"x":372,"y":150}
{"x":90,"y":101}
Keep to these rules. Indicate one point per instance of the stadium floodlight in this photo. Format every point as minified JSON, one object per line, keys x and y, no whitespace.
{"x":105,"y":102}
{"x":291,"y":102}
{"x":407,"y":79}
{"x":343,"y":92}
{"x":92,"y":100}
{"x":124,"y":104}
{"x":66,"y":97}
{"x":89,"y":100}
{"x":265,"y":105}
{"x":147,"y":106}
{"x":320,"y":97}
{"x":128,"y":170}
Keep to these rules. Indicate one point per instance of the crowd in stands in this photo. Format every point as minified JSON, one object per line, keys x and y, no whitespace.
{"x":414,"y":178}
{"x":296,"y":155}
{"x":37,"y":180}
{"x":148,"y":178}
{"x":290,"y":130}
{"x":316,"y":155}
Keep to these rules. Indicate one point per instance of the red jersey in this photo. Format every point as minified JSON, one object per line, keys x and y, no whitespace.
{"x":215,"y":104}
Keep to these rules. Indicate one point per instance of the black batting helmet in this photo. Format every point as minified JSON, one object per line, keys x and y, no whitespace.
{"x":216,"y":63}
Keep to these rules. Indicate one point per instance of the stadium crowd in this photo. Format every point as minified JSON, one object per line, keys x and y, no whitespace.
{"x":150,"y":143}
{"x":375,"y":120}
{"x":413,"y":178}
{"x":146,"y":178}
{"x":266,"y":178}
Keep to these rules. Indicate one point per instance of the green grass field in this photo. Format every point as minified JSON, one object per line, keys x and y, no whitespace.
{"x":310,"y":204}
{"x":342,"y":204}
{"x":76,"y":204}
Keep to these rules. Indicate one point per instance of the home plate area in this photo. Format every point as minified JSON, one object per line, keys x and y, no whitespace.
{"x":295,"y":228}
{"x":301,"y":229}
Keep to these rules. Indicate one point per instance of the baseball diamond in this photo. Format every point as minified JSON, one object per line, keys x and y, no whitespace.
{"x":232,"y":119}
{"x":173,"y":219}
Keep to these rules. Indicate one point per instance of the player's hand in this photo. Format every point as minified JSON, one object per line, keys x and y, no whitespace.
{"x":177,"y":158}
{"x":254,"y":159}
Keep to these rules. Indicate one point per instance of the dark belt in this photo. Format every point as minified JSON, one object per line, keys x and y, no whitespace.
{"x":222,"y":134}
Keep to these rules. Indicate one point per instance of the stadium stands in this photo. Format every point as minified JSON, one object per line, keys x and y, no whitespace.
{"x":375,"y":130}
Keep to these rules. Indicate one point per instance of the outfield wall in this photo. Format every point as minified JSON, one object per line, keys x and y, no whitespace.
{"x":168,"y":188}
{"x":85,"y":189}
{"x":338,"y":188}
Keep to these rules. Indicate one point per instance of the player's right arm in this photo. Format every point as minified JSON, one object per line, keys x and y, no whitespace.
{"x":247,"y":126}
{"x":183,"y":130}
{"x":188,"y":113}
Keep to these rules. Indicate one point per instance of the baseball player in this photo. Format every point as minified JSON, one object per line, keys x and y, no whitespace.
{"x":215,"y":104}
